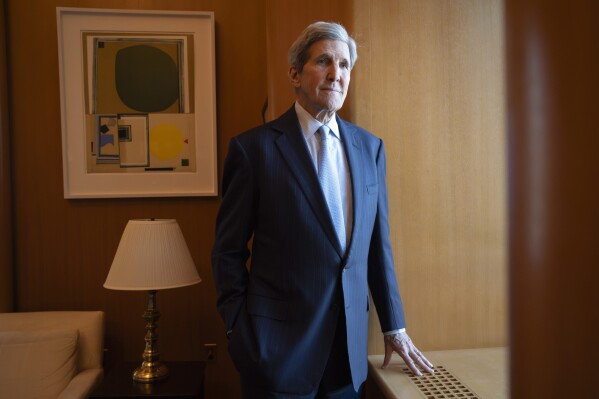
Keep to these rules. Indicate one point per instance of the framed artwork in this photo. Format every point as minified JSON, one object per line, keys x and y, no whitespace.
{"x":137,"y":91}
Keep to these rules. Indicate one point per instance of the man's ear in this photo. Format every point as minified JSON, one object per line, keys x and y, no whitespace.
{"x":294,"y":77}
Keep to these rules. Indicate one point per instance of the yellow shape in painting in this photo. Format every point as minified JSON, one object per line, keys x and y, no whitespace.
{"x":166,"y":141}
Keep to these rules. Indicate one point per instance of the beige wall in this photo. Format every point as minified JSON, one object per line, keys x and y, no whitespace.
{"x":429,"y":81}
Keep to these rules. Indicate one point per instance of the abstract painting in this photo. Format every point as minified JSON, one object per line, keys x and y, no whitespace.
{"x":147,"y":119}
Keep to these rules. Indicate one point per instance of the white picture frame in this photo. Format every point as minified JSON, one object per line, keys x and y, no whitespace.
{"x":180,"y":112}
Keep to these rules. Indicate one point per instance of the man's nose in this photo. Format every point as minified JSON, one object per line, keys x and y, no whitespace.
{"x":334,"y":72}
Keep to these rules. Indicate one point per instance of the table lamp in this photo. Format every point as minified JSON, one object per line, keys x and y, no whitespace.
{"x":152,"y":255}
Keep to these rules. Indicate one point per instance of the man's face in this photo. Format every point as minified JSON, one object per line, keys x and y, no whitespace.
{"x":322,"y":85}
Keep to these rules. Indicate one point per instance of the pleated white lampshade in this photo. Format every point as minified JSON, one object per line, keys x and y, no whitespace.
{"x":152,"y":255}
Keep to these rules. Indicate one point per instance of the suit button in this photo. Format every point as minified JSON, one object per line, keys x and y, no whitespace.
{"x":334,"y":307}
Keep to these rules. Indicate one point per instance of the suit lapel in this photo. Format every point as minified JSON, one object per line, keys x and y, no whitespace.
{"x":352,"y":147}
{"x":294,"y":150}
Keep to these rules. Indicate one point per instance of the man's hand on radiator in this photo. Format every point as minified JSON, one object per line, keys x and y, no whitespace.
{"x":402,"y":344}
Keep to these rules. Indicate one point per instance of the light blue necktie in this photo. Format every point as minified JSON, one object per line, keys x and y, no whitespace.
{"x":329,"y":181}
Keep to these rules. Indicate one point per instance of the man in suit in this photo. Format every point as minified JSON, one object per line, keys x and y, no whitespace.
{"x":308,"y":190}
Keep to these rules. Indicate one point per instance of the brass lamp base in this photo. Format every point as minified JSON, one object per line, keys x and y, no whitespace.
{"x":151,"y":369}
{"x":150,"y":372}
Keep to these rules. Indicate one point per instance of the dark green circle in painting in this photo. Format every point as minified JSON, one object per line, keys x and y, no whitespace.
{"x":146,"y":78}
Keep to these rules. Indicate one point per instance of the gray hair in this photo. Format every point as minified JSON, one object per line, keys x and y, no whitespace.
{"x":298,"y":52}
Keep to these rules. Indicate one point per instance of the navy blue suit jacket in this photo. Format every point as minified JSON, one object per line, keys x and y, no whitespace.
{"x":284,"y":306}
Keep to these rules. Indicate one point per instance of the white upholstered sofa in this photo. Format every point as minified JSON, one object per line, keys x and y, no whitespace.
{"x":50,"y":354}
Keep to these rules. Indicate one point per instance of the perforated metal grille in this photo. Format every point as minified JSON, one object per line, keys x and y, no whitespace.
{"x":441,"y":385}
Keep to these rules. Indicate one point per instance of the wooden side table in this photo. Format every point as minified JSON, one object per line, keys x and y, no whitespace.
{"x":185,"y":380}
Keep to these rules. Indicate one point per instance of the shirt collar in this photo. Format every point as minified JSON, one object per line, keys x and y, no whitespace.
{"x":310,"y":125}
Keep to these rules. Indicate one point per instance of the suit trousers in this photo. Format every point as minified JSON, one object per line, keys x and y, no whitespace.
{"x":336,"y":382}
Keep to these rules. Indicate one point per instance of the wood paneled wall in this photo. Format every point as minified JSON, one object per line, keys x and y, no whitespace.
{"x":64,"y":248}
{"x":6,"y":260}
{"x":429,"y":81}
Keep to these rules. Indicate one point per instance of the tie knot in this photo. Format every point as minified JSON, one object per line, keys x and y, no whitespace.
{"x":324,"y":132}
